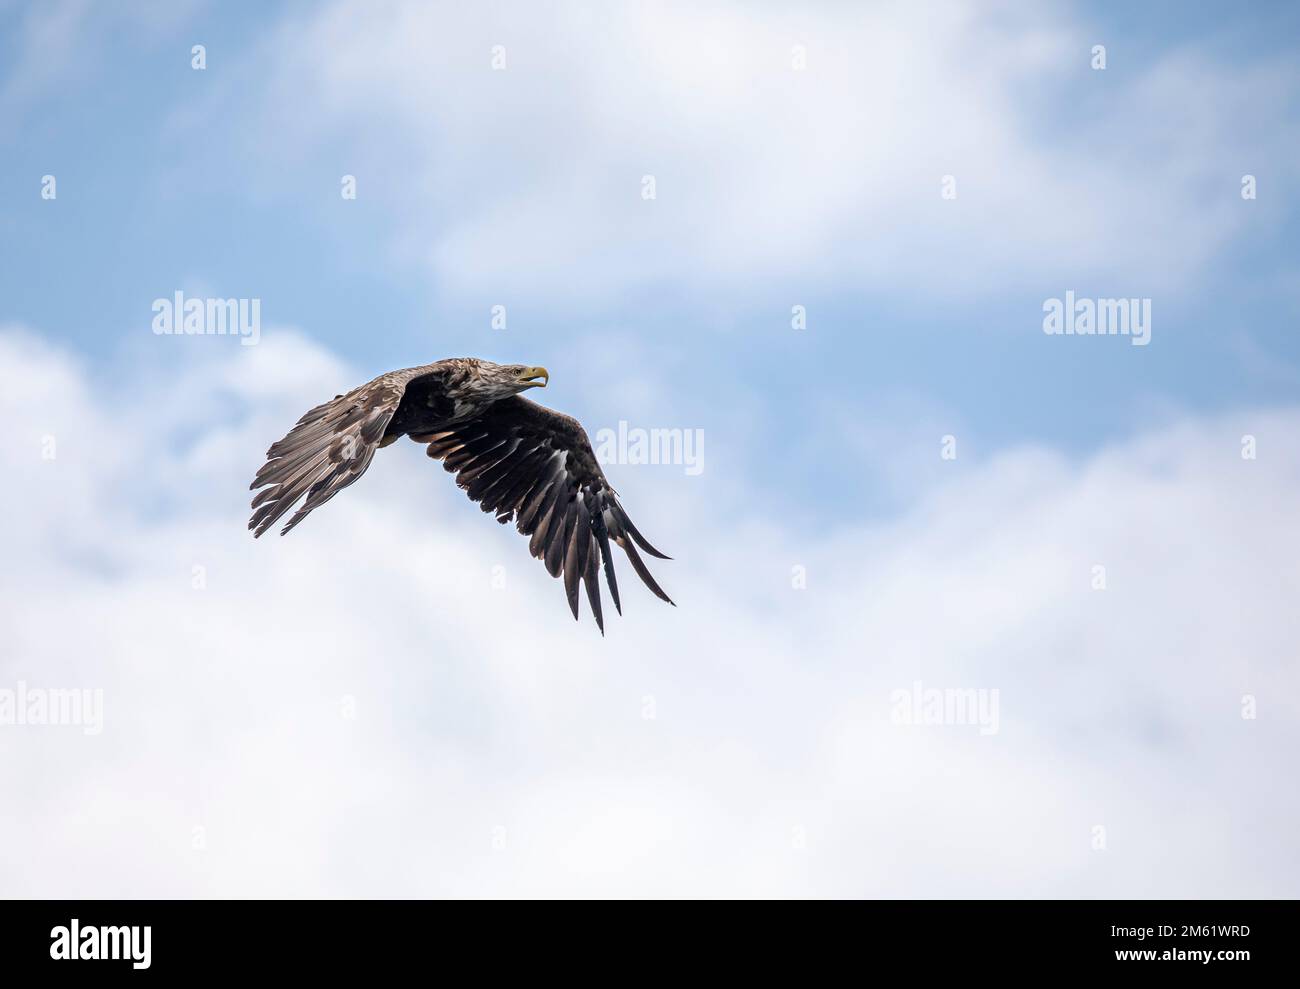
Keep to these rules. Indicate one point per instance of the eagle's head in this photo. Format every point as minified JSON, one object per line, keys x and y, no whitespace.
{"x":498,"y":381}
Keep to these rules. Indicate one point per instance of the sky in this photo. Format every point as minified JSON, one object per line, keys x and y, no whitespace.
{"x":819,"y":240}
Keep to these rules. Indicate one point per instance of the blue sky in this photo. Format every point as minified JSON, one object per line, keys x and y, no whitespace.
{"x":171,"y":177}
{"x":775,"y":187}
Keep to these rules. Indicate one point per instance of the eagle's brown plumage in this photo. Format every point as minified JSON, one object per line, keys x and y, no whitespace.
{"x":517,"y":459}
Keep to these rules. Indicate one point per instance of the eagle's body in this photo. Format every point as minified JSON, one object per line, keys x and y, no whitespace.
{"x":518,"y":459}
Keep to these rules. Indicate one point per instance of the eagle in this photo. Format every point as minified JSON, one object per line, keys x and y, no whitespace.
{"x":516,"y":458}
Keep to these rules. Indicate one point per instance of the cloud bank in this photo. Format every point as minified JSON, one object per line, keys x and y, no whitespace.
{"x":356,"y":710}
{"x":800,"y":149}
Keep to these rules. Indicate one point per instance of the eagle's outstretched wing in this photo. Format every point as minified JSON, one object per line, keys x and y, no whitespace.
{"x":329,"y":448}
{"x":524,"y":461}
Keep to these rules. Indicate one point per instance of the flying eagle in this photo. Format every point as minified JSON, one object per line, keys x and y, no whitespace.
{"x":514,"y":457}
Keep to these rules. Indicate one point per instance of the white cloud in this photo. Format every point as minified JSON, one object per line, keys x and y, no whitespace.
{"x":528,"y":180}
{"x":480,"y":709}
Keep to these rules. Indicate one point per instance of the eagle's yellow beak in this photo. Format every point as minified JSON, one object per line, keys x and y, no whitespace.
{"x":529,"y":376}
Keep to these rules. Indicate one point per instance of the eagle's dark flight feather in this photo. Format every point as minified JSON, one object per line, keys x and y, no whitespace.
{"x":527,"y":463}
